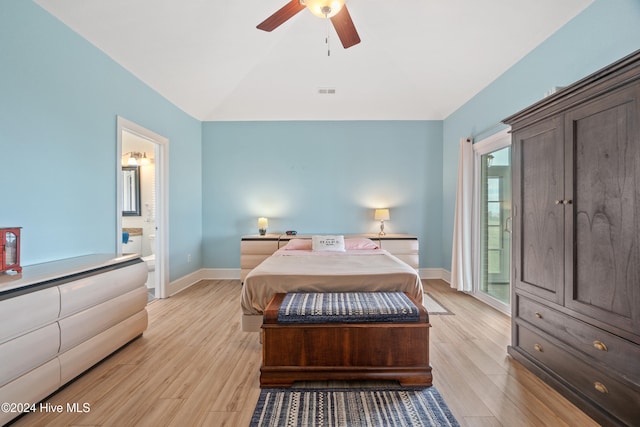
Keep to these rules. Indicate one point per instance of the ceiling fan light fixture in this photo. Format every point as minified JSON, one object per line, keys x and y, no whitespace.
{"x":324,"y":8}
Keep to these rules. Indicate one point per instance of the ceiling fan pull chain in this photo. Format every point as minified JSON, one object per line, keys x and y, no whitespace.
{"x":327,"y":39}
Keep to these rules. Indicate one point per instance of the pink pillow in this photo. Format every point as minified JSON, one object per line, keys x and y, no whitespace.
{"x":298,"y":245}
{"x":359,"y":244}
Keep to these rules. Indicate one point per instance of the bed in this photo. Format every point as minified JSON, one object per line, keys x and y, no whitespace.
{"x":338,"y":265}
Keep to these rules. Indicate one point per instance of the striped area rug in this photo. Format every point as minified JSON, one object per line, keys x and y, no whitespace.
{"x":347,"y":307}
{"x":352,"y":408}
{"x":433,"y":306}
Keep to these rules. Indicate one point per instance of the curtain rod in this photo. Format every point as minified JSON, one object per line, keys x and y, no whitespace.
{"x":489,"y":128}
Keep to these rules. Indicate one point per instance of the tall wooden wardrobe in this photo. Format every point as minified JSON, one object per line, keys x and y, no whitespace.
{"x":576,"y":241}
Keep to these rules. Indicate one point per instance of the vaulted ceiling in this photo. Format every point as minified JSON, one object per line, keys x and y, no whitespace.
{"x":418,"y":59}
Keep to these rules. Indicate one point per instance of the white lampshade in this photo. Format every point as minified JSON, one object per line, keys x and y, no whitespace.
{"x":324,"y":8}
{"x":263,"y":223}
{"x":381,"y":214}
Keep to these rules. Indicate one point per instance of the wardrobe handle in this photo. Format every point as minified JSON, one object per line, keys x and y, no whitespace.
{"x":566,"y":202}
{"x":600,"y":346}
{"x":539,"y":316}
{"x":600,"y":387}
{"x":538,"y":347}
{"x":558,"y":202}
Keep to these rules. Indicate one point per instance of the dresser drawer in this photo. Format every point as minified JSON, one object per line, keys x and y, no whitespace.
{"x":251,"y":261}
{"x":258,"y":247}
{"x":615,"y":352}
{"x":602,"y":388}
{"x":399,"y":246}
{"x":412,"y":260}
{"x":43,"y":307}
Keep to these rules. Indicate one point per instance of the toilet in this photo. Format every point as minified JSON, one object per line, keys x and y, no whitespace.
{"x":150,"y":260}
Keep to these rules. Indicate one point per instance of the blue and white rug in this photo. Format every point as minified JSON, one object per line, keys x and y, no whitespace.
{"x":433,"y":306}
{"x":351,"y":407}
{"x":349,"y":307}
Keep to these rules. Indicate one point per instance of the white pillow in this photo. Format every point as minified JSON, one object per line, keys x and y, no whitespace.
{"x":327,"y":243}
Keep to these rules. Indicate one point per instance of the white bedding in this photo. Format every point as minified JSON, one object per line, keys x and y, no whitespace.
{"x":310,"y":271}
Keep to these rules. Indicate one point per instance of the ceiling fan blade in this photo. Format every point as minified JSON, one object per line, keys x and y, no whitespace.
{"x":281,"y":16}
{"x":344,"y":27}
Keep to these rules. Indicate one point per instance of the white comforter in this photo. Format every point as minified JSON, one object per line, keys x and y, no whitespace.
{"x":307,"y":271}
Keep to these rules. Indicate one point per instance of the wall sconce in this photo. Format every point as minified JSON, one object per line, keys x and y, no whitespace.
{"x":136,"y":159}
{"x":263,"y":223}
{"x":381,"y":215}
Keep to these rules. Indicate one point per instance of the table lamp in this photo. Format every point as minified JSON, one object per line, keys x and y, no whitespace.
{"x":263,"y":223}
{"x":381,"y":215}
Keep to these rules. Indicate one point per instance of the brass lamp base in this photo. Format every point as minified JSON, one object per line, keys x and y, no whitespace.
{"x":381,"y":233}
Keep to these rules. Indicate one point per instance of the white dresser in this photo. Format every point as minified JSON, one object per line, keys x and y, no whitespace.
{"x":255,"y":248}
{"x":60,"y":318}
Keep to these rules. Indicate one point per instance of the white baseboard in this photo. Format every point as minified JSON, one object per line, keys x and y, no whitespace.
{"x":234,"y":274}
{"x":446,"y":276}
{"x":184,"y":282}
{"x":221,"y":273}
{"x":203,"y":274}
{"x":435,"y":273}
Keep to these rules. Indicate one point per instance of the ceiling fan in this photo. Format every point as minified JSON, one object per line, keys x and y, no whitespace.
{"x":336,"y":10}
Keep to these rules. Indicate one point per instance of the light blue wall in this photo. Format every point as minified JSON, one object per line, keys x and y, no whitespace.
{"x":320,"y":177}
{"x":603,"y":33}
{"x":59,"y":98}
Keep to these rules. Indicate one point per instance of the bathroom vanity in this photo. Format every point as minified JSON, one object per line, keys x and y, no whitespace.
{"x":58,"y":319}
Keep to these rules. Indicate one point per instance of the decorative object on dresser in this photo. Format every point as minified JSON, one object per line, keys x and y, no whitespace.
{"x":10,"y":249}
{"x":576,"y":241}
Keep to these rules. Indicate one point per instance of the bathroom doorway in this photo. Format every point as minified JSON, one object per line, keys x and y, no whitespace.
{"x":142,"y":210}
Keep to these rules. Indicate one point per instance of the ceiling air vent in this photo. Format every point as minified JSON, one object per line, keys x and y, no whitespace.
{"x":327,"y":90}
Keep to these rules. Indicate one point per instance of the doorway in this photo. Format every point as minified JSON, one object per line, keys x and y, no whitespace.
{"x":493,"y":216}
{"x":142,"y":209}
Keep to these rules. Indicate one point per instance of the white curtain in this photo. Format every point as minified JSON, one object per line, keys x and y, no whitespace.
{"x":462,"y":253}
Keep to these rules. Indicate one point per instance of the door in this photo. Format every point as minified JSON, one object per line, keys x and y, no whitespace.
{"x":602,"y":209}
{"x":492,"y":221}
{"x":538,"y":217}
{"x":495,"y":224}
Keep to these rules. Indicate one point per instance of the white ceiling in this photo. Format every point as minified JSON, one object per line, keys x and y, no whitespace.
{"x":418,"y":59}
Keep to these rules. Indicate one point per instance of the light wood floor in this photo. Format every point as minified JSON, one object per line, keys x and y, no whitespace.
{"x":195,"y":367}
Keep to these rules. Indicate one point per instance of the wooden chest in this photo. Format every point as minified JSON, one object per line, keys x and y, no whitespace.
{"x":344,"y":351}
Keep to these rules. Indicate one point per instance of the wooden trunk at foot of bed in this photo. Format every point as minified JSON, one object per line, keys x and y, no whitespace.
{"x":344,"y":351}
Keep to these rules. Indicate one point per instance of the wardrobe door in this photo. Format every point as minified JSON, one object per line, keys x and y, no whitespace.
{"x":538,"y":229}
{"x":604,"y":215}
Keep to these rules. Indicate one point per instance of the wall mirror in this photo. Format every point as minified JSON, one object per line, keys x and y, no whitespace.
{"x":131,"y":190}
